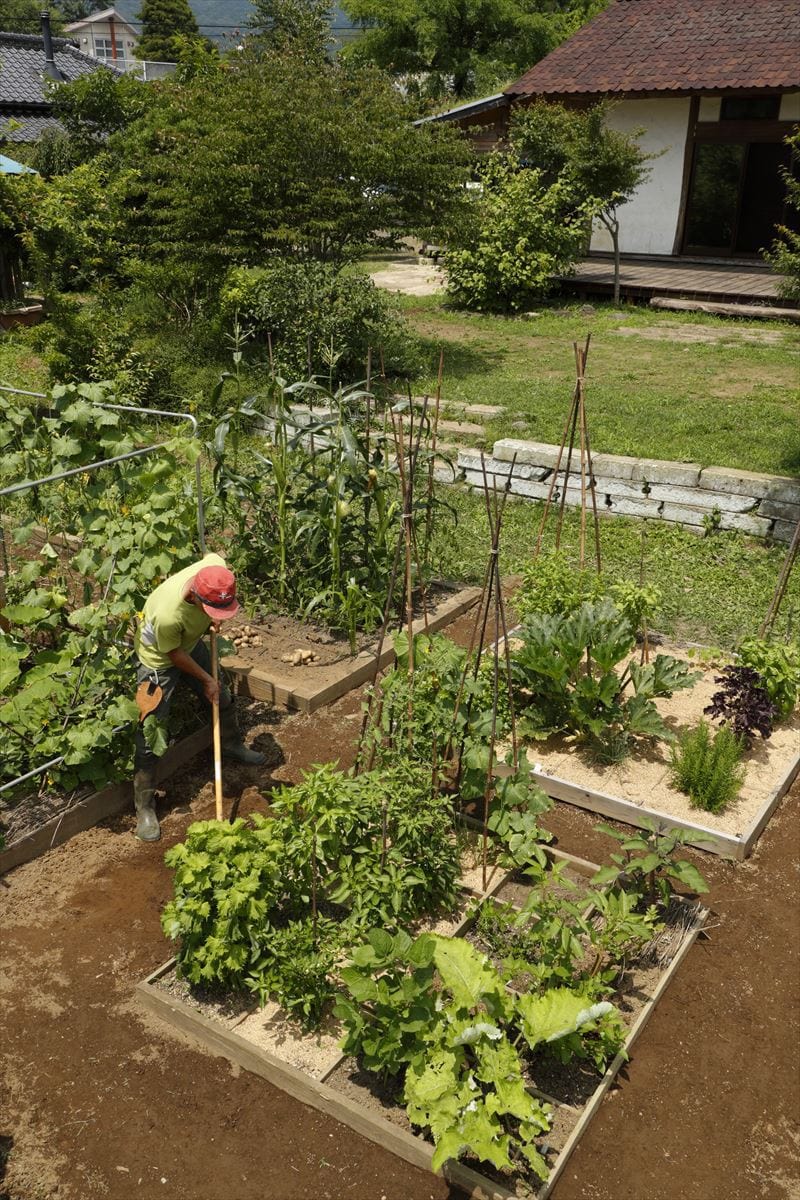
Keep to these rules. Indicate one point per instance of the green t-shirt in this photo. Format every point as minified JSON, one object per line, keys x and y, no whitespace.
{"x":168,"y":622}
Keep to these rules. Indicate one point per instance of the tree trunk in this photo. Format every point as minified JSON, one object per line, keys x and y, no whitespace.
{"x":615,"y":239}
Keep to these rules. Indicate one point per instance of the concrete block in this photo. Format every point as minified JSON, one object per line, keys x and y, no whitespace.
{"x":632,"y":508}
{"x":539,"y":454}
{"x":620,"y":488}
{"x":783,"y":531}
{"x":654,"y":470}
{"x":745,"y":523}
{"x":527,"y":488}
{"x":483,"y":412}
{"x":783,"y":489}
{"x":751,"y":483}
{"x":614,"y":466}
{"x":698,"y":498}
{"x":685,"y":514}
{"x":470,"y":459}
{"x":784,"y":512}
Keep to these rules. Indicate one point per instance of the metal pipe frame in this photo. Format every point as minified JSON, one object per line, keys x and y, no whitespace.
{"x":131,"y":408}
{"x":16,"y":488}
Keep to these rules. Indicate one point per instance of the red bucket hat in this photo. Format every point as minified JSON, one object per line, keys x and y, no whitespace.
{"x":215,"y":588}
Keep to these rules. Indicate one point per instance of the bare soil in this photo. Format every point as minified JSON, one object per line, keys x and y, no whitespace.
{"x":98,"y":1099}
{"x":282,"y":636}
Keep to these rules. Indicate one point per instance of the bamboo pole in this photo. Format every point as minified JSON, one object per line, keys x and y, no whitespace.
{"x":782,"y":584}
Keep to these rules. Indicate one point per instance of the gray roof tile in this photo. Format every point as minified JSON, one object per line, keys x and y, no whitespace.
{"x":22,"y":67}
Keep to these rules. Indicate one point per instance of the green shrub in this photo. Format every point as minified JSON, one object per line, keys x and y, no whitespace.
{"x":552,"y":584}
{"x":337,"y":314}
{"x":94,"y":341}
{"x":778,"y":664}
{"x":708,"y":769}
{"x":525,"y":232}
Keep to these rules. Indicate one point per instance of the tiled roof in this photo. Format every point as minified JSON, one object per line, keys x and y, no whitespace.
{"x":30,"y":123}
{"x":675,"y":46}
{"x":22,"y":67}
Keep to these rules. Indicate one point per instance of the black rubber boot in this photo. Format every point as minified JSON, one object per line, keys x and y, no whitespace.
{"x":144,"y":787}
{"x":232,"y":745}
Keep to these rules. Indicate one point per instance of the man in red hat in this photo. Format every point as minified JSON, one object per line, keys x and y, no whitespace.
{"x":171,"y":651}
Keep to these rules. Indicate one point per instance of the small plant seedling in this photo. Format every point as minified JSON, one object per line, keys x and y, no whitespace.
{"x":647,"y":864}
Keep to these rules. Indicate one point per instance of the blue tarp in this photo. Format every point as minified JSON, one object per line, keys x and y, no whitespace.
{"x":9,"y":167}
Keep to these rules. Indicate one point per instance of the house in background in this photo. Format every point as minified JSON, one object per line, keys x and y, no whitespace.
{"x":108,"y":36}
{"x":28,"y":63}
{"x":715,"y":84}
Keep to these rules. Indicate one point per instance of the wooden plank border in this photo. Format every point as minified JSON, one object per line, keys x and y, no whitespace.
{"x":285,"y":692}
{"x":410,"y":1147}
{"x":106,"y":803}
{"x":715,"y":841}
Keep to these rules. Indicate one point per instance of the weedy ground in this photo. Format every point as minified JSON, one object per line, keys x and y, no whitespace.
{"x":715,"y":589}
{"x":681,"y":386}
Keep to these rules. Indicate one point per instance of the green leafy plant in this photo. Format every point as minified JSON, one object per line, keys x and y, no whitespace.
{"x":566,"y":680}
{"x":778,"y":665}
{"x":638,"y":603}
{"x":708,"y":769}
{"x":619,"y":930}
{"x":552,"y":584}
{"x":647,"y":863}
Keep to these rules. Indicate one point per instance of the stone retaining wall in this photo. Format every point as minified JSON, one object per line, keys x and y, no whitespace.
{"x":684,"y":493}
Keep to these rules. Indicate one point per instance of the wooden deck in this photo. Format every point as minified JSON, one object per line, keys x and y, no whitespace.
{"x":641,"y":279}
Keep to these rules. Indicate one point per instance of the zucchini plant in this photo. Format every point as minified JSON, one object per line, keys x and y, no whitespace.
{"x":571,"y":676}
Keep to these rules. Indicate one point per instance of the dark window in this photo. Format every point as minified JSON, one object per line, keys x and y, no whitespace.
{"x":714,"y":194}
{"x":750,"y":108}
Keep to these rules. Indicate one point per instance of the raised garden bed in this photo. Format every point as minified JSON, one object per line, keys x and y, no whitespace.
{"x":312,"y":1068}
{"x":86,"y":812}
{"x":261,"y":673}
{"x":638,"y":790}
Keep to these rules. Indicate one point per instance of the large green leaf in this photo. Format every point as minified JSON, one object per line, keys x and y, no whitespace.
{"x":556,"y":1013}
{"x":465,"y":972}
{"x":11,"y":656}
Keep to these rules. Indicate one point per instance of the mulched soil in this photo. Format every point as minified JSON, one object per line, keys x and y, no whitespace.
{"x":99,"y":1099}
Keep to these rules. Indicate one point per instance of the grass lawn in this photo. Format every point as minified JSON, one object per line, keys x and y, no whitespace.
{"x":19,"y":366}
{"x":715,"y":590}
{"x":680,"y":386}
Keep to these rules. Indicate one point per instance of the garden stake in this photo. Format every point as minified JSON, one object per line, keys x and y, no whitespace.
{"x":482,"y":614}
{"x":645,"y":640}
{"x":782,"y":584}
{"x":432,"y":459}
{"x":314,"y":881}
{"x":215,"y":726}
{"x":381,"y":638}
{"x":576,"y":422}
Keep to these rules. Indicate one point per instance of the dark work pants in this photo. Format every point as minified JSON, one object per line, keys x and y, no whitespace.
{"x":168,"y":680}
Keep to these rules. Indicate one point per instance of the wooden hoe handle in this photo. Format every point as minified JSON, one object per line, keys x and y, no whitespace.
{"x":215,"y":727}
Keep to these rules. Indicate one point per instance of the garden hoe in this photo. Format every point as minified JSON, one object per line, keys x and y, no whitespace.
{"x":215,"y":726}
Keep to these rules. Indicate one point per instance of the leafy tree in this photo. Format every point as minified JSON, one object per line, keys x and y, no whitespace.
{"x":93,"y":107}
{"x":525,"y":230}
{"x":462,"y":47}
{"x":13,"y":205}
{"x":229,"y":168}
{"x":300,"y":26}
{"x":24,"y":16}
{"x":162,"y":23}
{"x":785,"y":252}
{"x":601,"y":164}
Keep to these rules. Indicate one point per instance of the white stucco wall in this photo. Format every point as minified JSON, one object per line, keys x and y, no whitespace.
{"x":648,"y":222}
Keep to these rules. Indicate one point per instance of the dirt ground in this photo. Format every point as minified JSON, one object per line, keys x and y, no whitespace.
{"x":99,"y":1099}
